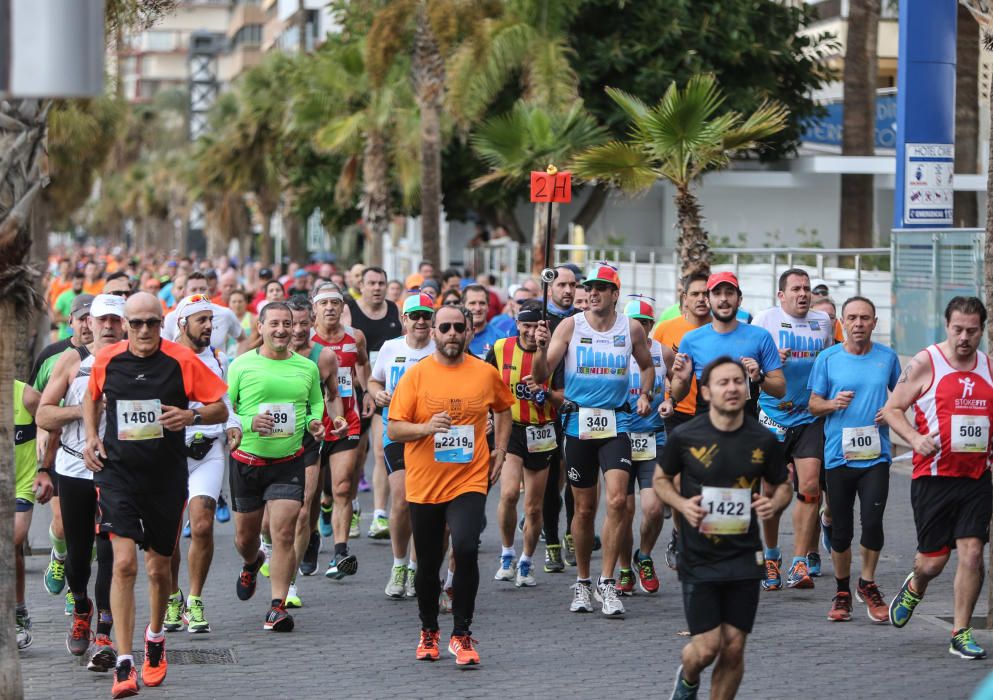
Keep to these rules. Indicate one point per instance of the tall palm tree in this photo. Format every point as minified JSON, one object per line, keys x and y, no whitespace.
{"x":679,"y":139}
{"x":530,"y":138}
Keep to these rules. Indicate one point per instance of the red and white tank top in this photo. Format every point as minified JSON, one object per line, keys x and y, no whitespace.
{"x":957,"y":408}
{"x":348,"y":356}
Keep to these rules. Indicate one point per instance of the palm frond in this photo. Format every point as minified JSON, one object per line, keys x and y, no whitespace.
{"x":619,"y":163}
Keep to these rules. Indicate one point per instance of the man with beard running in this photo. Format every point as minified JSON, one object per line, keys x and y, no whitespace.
{"x":205,"y":455}
{"x":60,"y":410}
{"x":395,"y":358}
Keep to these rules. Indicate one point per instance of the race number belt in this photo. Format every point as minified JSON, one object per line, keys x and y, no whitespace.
{"x":256,"y":461}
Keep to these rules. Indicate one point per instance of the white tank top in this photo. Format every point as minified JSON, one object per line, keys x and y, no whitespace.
{"x":68,"y":459}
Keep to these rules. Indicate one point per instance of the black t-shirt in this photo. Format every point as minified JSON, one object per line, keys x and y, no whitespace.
{"x":377,"y":330}
{"x":740,"y":459}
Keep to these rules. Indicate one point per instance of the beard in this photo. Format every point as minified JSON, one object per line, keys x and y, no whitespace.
{"x":453,"y":349}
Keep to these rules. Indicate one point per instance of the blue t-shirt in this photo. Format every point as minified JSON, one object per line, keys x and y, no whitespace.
{"x":652,"y":423}
{"x":704,"y":344}
{"x":484,"y":340}
{"x":504,"y":325}
{"x":869,"y":376}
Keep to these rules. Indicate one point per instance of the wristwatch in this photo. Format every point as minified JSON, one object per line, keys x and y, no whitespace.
{"x":197,"y":418}
{"x":761,"y":378}
{"x":649,"y":394}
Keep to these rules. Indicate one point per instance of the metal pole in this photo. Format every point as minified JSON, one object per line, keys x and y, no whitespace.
{"x":775,"y":283}
{"x":858,"y":275}
{"x":545,"y":281}
{"x":651,"y":261}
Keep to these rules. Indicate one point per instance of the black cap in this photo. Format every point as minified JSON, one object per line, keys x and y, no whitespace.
{"x":529,"y":311}
{"x":265,"y":273}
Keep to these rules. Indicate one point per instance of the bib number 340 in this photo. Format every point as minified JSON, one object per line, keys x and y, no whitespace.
{"x":597,"y":423}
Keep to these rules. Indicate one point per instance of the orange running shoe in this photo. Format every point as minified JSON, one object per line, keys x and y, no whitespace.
{"x":799,"y":576}
{"x":841,"y":607}
{"x":461,"y":648}
{"x":427,"y":648}
{"x":153,"y":671}
{"x":125,"y":681}
{"x":876,"y":607}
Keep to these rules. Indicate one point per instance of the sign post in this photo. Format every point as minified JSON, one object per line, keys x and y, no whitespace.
{"x":549,"y":187}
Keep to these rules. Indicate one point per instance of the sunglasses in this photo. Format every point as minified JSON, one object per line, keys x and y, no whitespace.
{"x":197,"y":298}
{"x":120,"y":293}
{"x":600,"y":286}
{"x":445,"y":327}
{"x":419,"y":316}
{"x":137,"y":323}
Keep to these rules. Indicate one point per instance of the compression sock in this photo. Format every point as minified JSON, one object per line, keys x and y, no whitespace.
{"x":58,"y":545}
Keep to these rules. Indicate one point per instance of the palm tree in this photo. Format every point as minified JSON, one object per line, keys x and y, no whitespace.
{"x":530,"y":138}
{"x":679,"y":139}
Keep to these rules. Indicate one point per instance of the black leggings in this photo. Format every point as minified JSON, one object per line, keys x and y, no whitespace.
{"x":464,"y":517}
{"x":872,"y":486}
{"x":552,"y":502}
{"x":78,"y":501}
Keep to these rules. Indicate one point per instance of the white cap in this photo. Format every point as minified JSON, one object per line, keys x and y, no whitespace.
{"x":817,"y":282}
{"x":193,"y":304}
{"x":107,"y":305}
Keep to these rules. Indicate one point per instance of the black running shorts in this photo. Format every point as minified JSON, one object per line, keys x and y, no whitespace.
{"x":150,"y":512}
{"x":535,"y":461}
{"x":805,"y":441}
{"x":584,"y":458}
{"x":950,"y":508}
{"x":311,"y":450}
{"x":710,"y":604}
{"x":643,"y":473}
{"x":252,"y":487}
{"x":393,"y":454}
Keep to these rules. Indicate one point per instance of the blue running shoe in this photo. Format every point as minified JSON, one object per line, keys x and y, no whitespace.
{"x":187,"y":532}
{"x":506,"y":572}
{"x":903,"y":604}
{"x":681,"y":690}
{"x":223,"y":513}
{"x":324,"y":521}
{"x":814,"y":564}
{"x":799,"y":576}
{"x":965,"y":646}
{"x":773,"y":580}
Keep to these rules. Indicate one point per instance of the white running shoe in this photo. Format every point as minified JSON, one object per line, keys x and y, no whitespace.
{"x":606,"y":594}
{"x":395,"y":587}
{"x":506,"y":570}
{"x":582,"y":599}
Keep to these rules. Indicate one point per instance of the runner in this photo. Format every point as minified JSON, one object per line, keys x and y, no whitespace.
{"x":647,"y":440}
{"x":721,"y":457}
{"x":394,"y":359}
{"x":597,"y":346}
{"x":581,"y":302}
{"x":857,"y":452}
{"x":140,"y":466}
{"x":338,"y":454}
{"x":60,"y":412}
{"x":534,"y":439}
{"x":379,"y":321}
{"x":800,"y":335}
{"x":439,"y":410}
{"x":205,"y":456}
{"x":62,"y":310}
{"x":225,"y":324}
{"x":277,"y":396}
{"x":484,"y":335}
{"x":950,"y":386}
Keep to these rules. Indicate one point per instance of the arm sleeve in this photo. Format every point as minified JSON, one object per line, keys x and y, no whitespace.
{"x":316,"y":400}
{"x":818,"y":381}
{"x":768,"y":353}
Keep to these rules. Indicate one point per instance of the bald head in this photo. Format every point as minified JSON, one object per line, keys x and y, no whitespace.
{"x":142,"y":303}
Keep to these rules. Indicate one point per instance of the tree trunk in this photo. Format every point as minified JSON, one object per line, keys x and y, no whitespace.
{"x":538,"y":262}
{"x":376,"y":196}
{"x":590,"y":210}
{"x":988,"y":281}
{"x":966,"y":211}
{"x":293,"y":233}
{"x":859,"y":127}
{"x":692,"y":241}
{"x":429,"y":84}
{"x":265,"y":245}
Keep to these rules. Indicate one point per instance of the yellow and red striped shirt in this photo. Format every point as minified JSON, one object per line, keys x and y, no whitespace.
{"x":514,"y":363}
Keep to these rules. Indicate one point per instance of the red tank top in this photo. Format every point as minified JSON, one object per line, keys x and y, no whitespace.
{"x":347,"y":353}
{"x":956,"y":408}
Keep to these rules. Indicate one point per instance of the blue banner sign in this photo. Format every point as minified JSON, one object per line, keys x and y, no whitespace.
{"x":827,"y":130}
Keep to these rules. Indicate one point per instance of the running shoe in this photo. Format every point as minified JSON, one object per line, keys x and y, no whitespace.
{"x":267,"y":550}
{"x":825,"y":532}
{"x":70,"y":604}
{"x":524,"y":578}
{"x":103,"y":656}
{"x":395,"y":588}
{"x":965,"y":646}
{"x":582,"y":597}
{"x":342,"y":566}
{"x":773,"y":580}
{"x":648,"y":580}
{"x":175,"y":608}
{"x":671,"y":557}
{"x":23,"y":633}
{"x":813,"y":564}
{"x":153,"y":670}
{"x":553,"y":559}
{"x":461,"y":647}
{"x":597,"y":544}
{"x":353,"y":529}
{"x":506,"y":570}
{"x":278,"y":620}
{"x":606,"y":594}
{"x":625,"y":582}
{"x":23,"y":619}
{"x":78,"y":636}
{"x":841,"y":607}
{"x":55,"y":574}
{"x":875,"y":605}
{"x":245,"y":587}
{"x":681,"y":690}
{"x":223,"y":513}
{"x":293,"y":597}
{"x":308,"y":565}
{"x":196,"y":621}
{"x":445,"y":599}
{"x":364,"y":486}
{"x":427,"y":647}
{"x":187,"y":530}
{"x":125,"y":681}
{"x":409,"y":591}
{"x":903,"y":604}
{"x":569,"y":550}
{"x":799,"y":576}
{"x":324,"y":521}
{"x":520,"y":524}
{"x":380,"y":528}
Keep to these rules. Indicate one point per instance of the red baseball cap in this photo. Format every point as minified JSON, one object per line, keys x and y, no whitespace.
{"x":722,"y":278}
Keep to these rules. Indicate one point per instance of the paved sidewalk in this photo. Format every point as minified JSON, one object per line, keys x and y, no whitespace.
{"x":352,"y":642}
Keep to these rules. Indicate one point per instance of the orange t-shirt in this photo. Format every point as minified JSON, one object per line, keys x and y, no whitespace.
{"x":839,"y":333}
{"x":57,"y":286}
{"x":95,"y":287}
{"x":670,"y":333}
{"x":467,"y":392}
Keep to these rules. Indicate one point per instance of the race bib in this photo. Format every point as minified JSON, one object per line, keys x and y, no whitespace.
{"x":139,"y":420}
{"x":457,"y":445}
{"x":772,"y":425}
{"x":860,"y":443}
{"x":541,"y":438}
{"x":642,"y":447}
{"x":970,"y":433}
{"x":345,"y":382}
{"x":597,"y":423}
{"x":284,"y":419}
{"x":729,"y":511}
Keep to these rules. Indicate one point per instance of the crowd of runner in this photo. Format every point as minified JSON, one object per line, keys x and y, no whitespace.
{"x":176,"y":392}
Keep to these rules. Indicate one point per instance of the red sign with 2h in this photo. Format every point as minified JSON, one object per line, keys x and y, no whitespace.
{"x":548,"y":187}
